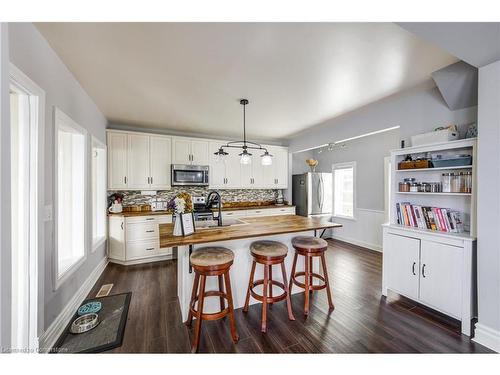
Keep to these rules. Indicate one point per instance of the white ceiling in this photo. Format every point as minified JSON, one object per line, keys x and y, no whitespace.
{"x":189,"y":76}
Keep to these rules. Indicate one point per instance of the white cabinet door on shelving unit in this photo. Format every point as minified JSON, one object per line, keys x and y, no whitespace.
{"x":117,"y":160}
{"x":138,"y":161}
{"x":441,"y":276}
{"x":402,"y":267}
{"x":181,"y":151}
{"x":199,"y":152}
{"x":160,"y":159}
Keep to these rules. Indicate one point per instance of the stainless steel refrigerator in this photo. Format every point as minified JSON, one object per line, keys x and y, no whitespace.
{"x":312,"y":193}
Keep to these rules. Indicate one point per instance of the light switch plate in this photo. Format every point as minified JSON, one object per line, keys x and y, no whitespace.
{"x":47,"y":213}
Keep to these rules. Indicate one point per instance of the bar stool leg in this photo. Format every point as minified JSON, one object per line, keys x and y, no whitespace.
{"x":327,"y":283}
{"x":270,"y":283}
{"x":221,"y":289}
{"x":306,"y":282}
{"x":311,"y":272}
{"x":232,"y":323}
{"x":292,"y":274}
{"x":288,"y":301}
{"x":265,"y":286}
{"x":197,"y":329}
{"x":193,"y":295}
{"x":250,"y":282}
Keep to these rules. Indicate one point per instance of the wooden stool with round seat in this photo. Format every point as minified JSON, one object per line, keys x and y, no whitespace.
{"x":268,"y":253}
{"x":211,"y":261}
{"x":310,"y":247}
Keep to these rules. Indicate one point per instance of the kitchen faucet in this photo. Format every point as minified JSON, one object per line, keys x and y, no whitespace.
{"x":219,"y":204}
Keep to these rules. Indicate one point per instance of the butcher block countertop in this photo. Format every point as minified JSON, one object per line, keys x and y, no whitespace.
{"x":254,"y":227}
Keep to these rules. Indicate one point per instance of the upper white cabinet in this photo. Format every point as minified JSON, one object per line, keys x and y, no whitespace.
{"x":160,"y":160}
{"x":275,"y":176}
{"x":226,"y":173}
{"x":138,"y":161}
{"x":189,"y":151}
{"x":117,"y":160}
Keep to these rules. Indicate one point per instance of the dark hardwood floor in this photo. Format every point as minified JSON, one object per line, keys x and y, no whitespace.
{"x":363,"y":321}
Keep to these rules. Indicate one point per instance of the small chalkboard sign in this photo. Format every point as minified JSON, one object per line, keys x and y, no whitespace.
{"x":187,"y":223}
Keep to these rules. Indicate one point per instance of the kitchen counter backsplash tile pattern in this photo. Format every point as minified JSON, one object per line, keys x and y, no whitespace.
{"x":234,"y":195}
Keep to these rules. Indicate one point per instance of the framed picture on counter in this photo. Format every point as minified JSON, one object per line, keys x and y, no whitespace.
{"x":187,"y":223}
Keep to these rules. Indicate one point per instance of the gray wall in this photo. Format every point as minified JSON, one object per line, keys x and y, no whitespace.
{"x":368,"y":153}
{"x":488,"y":195}
{"x":5,"y":258}
{"x":417,"y":110}
{"x":31,"y":53}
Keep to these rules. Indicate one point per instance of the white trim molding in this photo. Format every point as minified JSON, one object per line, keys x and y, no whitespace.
{"x":487,"y":336}
{"x":49,"y":337}
{"x":353,"y":241}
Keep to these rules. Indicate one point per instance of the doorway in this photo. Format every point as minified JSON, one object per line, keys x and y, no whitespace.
{"x":27,"y":104}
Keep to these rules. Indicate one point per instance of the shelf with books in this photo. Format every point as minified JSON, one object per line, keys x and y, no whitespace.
{"x":463,"y":203}
{"x":463,"y":235}
{"x":430,"y":218}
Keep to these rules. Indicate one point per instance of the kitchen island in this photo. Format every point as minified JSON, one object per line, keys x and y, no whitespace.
{"x":238,"y":238}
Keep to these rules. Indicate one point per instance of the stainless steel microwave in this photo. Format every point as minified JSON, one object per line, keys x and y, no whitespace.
{"x":189,"y":175}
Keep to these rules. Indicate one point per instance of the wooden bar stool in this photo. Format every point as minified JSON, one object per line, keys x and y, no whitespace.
{"x":310,"y":247}
{"x":211,"y":261}
{"x":268,"y":253}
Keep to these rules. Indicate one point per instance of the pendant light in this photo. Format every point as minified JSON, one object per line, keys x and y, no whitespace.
{"x":244,"y":145}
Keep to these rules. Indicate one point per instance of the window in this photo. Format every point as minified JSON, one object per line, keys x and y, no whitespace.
{"x":344,"y":187}
{"x":98,"y":193}
{"x":71,"y":151}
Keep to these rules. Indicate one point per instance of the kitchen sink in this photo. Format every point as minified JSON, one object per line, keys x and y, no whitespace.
{"x":213,"y":224}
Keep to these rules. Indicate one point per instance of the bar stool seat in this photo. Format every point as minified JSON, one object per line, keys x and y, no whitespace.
{"x":211,"y":256}
{"x":211,"y":261}
{"x":310,"y":247}
{"x":268,"y":249}
{"x":268,"y":253}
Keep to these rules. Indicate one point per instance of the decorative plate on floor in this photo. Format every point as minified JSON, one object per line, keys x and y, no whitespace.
{"x":90,"y":308}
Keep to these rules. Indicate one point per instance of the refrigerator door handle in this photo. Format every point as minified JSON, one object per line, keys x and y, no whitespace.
{"x":321,"y":193}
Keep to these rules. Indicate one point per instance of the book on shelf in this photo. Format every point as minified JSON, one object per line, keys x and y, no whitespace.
{"x":433,"y":218}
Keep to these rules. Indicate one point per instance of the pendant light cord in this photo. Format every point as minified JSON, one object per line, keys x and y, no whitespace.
{"x":244,"y":126}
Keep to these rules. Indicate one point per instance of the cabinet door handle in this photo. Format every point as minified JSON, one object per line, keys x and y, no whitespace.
{"x":423,"y":270}
{"x":151,"y":180}
{"x":122,"y":225}
{"x":150,"y":248}
{"x":413,"y":268}
{"x":125,"y":179}
{"x":150,"y":231}
{"x":150,"y":218}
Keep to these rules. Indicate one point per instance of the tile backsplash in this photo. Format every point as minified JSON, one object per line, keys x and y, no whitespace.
{"x":233,"y":195}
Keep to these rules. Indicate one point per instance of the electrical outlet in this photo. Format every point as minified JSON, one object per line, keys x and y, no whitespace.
{"x":47,"y":213}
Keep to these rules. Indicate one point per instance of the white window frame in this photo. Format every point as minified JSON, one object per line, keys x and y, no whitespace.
{"x":347,"y":165}
{"x":96,"y":243}
{"x":61,"y":117}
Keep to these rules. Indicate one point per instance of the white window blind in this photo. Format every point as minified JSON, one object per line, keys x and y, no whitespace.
{"x":344,"y":189}
{"x":70,"y":196}
{"x":98,"y":193}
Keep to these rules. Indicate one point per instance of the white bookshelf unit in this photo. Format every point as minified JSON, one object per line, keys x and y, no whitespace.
{"x":434,"y":268}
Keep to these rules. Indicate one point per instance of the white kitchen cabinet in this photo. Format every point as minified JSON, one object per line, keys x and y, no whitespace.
{"x":441,"y":276}
{"x":160,"y":161}
{"x":138,"y":161}
{"x":224,"y":173}
{"x":251,"y":174}
{"x":117,"y":160}
{"x":258,"y":212}
{"x":275,"y":176}
{"x":435,"y":269}
{"x":190,"y":151}
{"x":136,"y":239}
{"x":401,"y":255}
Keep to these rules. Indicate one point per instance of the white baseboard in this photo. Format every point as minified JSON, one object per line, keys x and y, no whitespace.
{"x":158,"y":258}
{"x":487,"y":336}
{"x":49,"y":337}
{"x":358,"y":243}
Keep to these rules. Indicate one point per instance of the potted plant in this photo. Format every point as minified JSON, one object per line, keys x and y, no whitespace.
{"x":179,"y":204}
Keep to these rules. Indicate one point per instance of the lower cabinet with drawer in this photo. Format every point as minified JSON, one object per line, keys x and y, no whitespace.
{"x":136,"y":239}
{"x":259,"y":212}
{"x":434,"y":269}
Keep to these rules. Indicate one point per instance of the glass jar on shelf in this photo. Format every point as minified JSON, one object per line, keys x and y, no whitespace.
{"x":457,"y":181}
{"x":446,"y":182}
{"x":415,"y":187}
